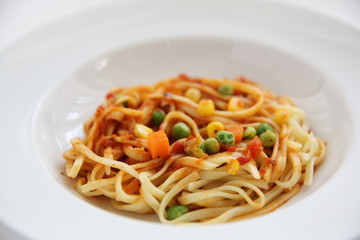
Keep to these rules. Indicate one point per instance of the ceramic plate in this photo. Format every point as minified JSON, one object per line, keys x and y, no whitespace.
{"x":54,"y":78}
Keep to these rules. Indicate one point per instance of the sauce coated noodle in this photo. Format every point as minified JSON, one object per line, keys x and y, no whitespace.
{"x":195,"y":150}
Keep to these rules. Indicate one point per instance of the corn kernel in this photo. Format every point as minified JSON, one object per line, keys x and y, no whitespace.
{"x":281,"y":115}
{"x":235,"y":104}
{"x":193,"y":94}
{"x":141,"y":131}
{"x":206,"y":108}
{"x":214,"y":127}
{"x":233,"y":167}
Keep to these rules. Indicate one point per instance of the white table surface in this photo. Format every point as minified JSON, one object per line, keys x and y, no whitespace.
{"x":19,"y":17}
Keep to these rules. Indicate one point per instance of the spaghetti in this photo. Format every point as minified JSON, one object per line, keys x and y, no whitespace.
{"x":195,"y":150}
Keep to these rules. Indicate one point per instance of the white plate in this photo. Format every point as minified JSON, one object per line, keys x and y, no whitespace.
{"x":55,"y":77}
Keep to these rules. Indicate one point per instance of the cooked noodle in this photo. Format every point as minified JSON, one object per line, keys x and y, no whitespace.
{"x":240,"y":180}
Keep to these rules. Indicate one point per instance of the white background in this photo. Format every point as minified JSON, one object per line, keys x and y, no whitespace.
{"x":18,"y":17}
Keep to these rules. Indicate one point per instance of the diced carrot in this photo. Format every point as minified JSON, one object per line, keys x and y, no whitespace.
{"x":158,"y":144}
{"x":237,"y":130}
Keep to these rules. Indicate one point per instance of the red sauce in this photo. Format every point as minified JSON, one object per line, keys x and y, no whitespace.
{"x":131,"y":137}
{"x":190,"y":137}
{"x":175,"y":166}
{"x":255,"y":147}
{"x":99,"y":110}
{"x":230,"y":149}
{"x":108,"y":142}
{"x":177,"y":148}
{"x":241,"y":79}
{"x":245,"y":121}
{"x":243,"y":160}
{"x":110,"y":95}
{"x":270,"y":162}
{"x":184,"y":76}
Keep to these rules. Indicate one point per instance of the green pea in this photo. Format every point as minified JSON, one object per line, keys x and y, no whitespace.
{"x":158,"y":117}
{"x":249,"y":132}
{"x":180,"y":130}
{"x":268,"y":139}
{"x":226,"y":89}
{"x":225,"y":137}
{"x":202,"y":147}
{"x":263,"y":128}
{"x":176,"y":211}
{"x":211,"y":146}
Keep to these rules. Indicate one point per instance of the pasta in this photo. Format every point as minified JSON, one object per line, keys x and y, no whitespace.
{"x":195,"y":150}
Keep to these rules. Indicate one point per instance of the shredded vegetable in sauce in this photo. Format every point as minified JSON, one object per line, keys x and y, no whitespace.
{"x":195,"y":150}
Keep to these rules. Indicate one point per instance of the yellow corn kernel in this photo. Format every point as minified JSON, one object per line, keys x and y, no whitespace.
{"x":281,"y":115}
{"x":141,"y":131}
{"x":193,"y":94}
{"x":206,"y":108}
{"x":233,"y":167}
{"x":235,"y":104}
{"x":214,"y":127}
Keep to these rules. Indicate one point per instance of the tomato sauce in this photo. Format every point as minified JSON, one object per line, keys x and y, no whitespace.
{"x":255,"y":147}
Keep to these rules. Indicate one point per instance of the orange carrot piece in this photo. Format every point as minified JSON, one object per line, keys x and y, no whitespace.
{"x":158,"y":144}
{"x":237,"y":130}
